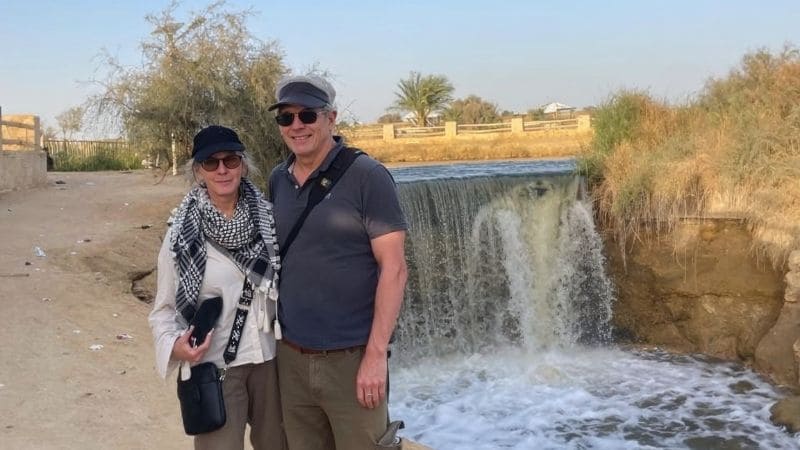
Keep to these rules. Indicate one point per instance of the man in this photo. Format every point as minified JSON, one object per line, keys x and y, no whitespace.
{"x":342,"y":279}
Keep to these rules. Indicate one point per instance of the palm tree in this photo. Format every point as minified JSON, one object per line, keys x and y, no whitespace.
{"x":423,"y":95}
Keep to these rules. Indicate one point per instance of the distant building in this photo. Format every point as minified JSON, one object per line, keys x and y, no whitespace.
{"x":558,"y":110}
{"x":434,"y":118}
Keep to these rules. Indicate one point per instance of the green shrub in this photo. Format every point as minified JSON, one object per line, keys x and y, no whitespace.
{"x":102,"y":159}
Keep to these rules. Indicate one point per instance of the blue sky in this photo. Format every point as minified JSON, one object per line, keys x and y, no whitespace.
{"x":518,"y":54}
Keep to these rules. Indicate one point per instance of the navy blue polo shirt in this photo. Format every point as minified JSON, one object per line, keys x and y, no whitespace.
{"x":329,"y":275}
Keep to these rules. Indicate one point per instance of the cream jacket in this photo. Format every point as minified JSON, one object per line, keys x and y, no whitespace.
{"x":222,"y":278}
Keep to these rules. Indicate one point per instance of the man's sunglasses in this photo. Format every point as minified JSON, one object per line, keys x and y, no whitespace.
{"x":230,"y":161}
{"x":307,"y":116}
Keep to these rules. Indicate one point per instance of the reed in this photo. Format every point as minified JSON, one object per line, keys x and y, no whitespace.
{"x":733,"y":150}
{"x":101,"y":159}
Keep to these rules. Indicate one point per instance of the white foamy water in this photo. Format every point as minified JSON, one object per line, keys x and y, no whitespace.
{"x":507,"y":287}
{"x":582,"y":399}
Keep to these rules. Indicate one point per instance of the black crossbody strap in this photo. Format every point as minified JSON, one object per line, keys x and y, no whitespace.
{"x":238,"y":322}
{"x":242,"y":308}
{"x":322,"y":185}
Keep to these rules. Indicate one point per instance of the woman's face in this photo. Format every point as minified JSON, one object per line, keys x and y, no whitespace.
{"x":223,"y":180}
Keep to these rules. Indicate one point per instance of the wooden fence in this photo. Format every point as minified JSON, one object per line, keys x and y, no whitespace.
{"x":19,"y":132}
{"x":66,"y":153}
{"x":516,"y":125}
{"x":85,"y":149}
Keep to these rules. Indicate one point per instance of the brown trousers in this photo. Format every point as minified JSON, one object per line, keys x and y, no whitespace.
{"x":251,"y":397}
{"x":320,"y":408}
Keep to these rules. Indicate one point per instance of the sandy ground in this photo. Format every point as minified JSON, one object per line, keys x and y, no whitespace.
{"x":96,"y":229}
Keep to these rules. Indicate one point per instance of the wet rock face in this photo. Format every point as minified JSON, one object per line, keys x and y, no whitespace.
{"x":779,"y":352}
{"x":700,"y":289}
{"x":786,"y":413}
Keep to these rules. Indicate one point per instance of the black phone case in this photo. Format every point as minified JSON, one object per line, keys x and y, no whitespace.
{"x":205,"y":318}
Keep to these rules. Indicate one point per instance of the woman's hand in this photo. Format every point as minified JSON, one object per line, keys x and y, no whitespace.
{"x":183,"y":350}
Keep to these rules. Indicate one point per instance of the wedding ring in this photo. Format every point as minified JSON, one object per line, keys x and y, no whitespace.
{"x":369,"y":395}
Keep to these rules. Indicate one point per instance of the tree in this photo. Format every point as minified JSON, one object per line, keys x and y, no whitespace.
{"x":70,"y":121}
{"x":472,"y":109}
{"x":50,"y":132}
{"x":205,"y":70}
{"x":423,"y":95}
{"x":390,"y":118}
{"x":536,"y":114}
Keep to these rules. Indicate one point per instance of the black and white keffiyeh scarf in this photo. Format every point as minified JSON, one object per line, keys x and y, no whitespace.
{"x":249,"y":237}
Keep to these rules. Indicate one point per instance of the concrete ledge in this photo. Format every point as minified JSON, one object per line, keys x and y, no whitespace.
{"x":22,"y":169}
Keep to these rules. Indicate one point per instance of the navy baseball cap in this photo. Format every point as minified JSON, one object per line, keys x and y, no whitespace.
{"x":213,"y":139}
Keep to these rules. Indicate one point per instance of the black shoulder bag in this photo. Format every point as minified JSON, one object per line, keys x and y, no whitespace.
{"x":201,"y":399}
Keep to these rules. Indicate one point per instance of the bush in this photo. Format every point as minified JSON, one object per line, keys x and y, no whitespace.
{"x":101,"y":159}
{"x":738,"y":142}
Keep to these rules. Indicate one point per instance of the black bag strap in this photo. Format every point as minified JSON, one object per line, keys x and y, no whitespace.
{"x":241,"y":309}
{"x":322,"y":185}
{"x":238,"y":322}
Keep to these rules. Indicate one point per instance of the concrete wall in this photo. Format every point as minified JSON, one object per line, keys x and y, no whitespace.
{"x":23,"y":164}
{"x":22,"y":169}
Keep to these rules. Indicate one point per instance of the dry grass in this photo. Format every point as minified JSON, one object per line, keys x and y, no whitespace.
{"x":501,"y":146}
{"x":734,"y":150}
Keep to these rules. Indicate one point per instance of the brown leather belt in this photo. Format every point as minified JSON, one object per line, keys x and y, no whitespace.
{"x":311,"y":351}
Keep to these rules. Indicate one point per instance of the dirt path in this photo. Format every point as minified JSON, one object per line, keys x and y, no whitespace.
{"x":96,"y":229}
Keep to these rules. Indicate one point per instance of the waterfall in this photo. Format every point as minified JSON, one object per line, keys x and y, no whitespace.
{"x":501,"y":260}
{"x":506,"y":305}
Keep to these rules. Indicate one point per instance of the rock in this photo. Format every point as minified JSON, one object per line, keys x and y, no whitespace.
{"x":796,"y":348}
{"x":792,"y":292}
{"x":716,"y":327}
{"x":774,"y":353}
{"x":786,"y":413}
{"x":794,"y":261}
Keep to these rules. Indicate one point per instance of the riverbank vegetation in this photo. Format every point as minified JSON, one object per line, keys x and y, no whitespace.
{"x":732,"y":151}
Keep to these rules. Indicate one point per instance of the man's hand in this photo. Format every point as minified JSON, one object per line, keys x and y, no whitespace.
{"x":371,"y":379}
{"x":183,"y":350}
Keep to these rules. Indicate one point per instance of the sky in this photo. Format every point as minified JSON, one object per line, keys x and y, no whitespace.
{"x":518,"y":54}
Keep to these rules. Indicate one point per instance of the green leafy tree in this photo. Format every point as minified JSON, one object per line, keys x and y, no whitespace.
{"x":208,"y":69}
{"x":70,"y":121}
{"x":472,"y":109}
{"x":423,"y":95}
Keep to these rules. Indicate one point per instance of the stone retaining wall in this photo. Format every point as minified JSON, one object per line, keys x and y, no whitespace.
{"x":22,"y":169}
{"x":700,"y":289}
{"x":23,"y":164}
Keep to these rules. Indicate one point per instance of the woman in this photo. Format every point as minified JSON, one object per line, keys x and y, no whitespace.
{"x":223,"y":230}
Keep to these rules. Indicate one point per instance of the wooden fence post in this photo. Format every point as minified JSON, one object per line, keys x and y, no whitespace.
{"x":388,"y":132}
{"x":37,"y":133}
{"x":517,"y":125}
{"x":450,"y":129}
{"x":584,"y":123}
{"x":1,"y":128}
{"x":174,"y":156}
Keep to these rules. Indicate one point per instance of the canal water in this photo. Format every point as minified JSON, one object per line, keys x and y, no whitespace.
{"x":505,"y":338}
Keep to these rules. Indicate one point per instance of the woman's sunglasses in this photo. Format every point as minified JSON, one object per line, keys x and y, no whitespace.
{"x":230,"y":161}
{"x":307,"y":116}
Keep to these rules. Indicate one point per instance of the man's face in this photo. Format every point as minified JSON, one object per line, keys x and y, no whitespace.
{"x":307,"y":139}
